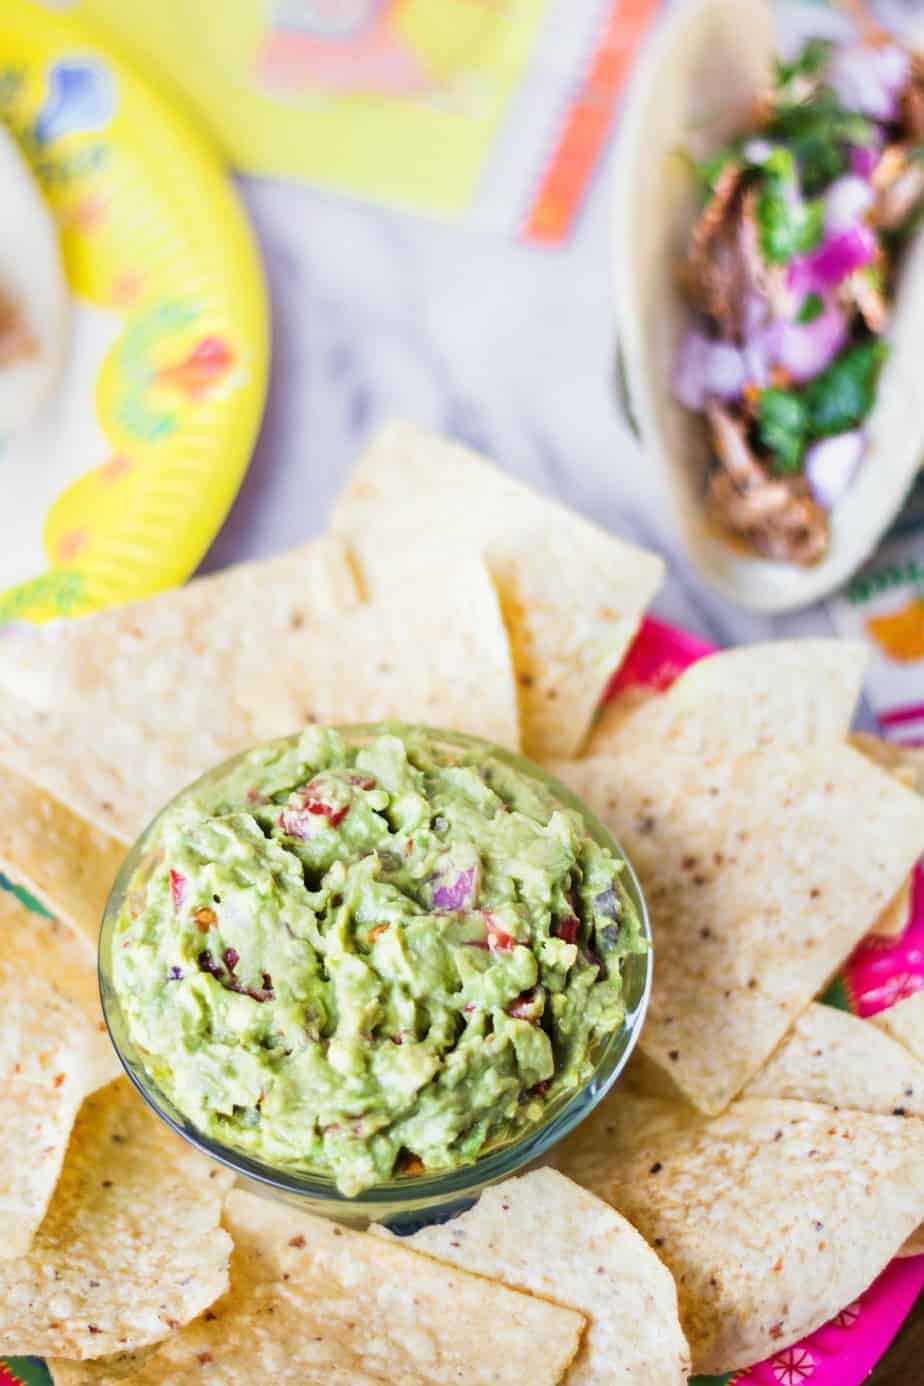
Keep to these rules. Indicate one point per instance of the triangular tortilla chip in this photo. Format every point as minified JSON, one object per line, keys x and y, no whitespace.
{"x":894,"y":919}
{"x":36,"y":1123}
{"x":314,"y":1304}
{"x":772,"y":1217}
{"x":51,"y":1055}
{"x":116,"y":712}
{"x":130,"y":1247}
{"x":572,"y":595}
{"x":784,"y":693}
{"x":547,"y":1236}
{"x":64,"y":861}
{"x":42,"y":946}
{"x":904,"y":1023}
{"x":907,"y":760}
{"x":153,"y":670}
{"x":833,"y":1057}
{"x":761,"y":873}
{"x":914,"y":1245}
{"x":604,"y":731}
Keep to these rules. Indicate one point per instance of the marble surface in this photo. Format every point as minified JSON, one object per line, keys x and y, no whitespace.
{"x":506,"y":347}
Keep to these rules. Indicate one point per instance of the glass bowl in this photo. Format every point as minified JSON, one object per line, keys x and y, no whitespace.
{"x":408,"y":1201}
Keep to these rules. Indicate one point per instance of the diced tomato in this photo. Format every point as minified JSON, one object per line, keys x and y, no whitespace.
{"x":334,"y":813}
{"x":499,"y":940}
{"x":177,"y":888}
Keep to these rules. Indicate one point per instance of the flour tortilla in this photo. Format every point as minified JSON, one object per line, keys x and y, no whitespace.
{"x":761,"y":872}
{"x":784,"y":693}
{"x":64,"y":861}
{"x":696,"y":88}
{"x":347,"y":1308}
{"x":572,"y":596}
{"x":772,"y":1217}
{"x":130,"y":1248}
{"x":547,"y":1236}
{"x":32,"y":277}
{"x":182,"y":682}
{"x":833,"y":1057}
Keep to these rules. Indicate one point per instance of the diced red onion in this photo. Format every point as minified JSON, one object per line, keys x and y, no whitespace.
{"x":706,"y":369}
{"x":839,"y":255}
{"x":870,"y":80}
{"x":806,"y":349}
{"x":756,"y":313}
{"x":761,"y":353}
{"x":863,"y":159}
{"x":831,"y":465}
{"x":846,"y":202}
{"x":455,"y":890}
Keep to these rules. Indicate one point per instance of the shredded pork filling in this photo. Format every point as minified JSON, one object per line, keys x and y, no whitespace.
{"x":789,"y":271}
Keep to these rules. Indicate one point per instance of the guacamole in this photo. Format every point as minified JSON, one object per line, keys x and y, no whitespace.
{"x":371,"y":959}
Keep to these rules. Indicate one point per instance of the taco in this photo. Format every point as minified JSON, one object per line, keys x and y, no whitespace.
{"x":33,"y":295}
{"x":771,"y":293}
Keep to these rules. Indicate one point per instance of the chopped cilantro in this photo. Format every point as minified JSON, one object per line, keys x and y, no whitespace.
{"x":786,"y":225}
{"x":782,"y":427}
{"x":819,"y":132}
{"x":813,"y":305}
{"x":841,"y":397}
{"x":813,"y":57}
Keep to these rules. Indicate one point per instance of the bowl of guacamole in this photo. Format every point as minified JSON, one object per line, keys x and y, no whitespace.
{"x":380,"y":963}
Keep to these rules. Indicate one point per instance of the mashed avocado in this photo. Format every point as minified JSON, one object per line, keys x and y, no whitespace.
{"x":366,"y":959}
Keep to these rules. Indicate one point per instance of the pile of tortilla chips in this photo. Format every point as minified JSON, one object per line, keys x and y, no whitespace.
{"x":760,"y":1164}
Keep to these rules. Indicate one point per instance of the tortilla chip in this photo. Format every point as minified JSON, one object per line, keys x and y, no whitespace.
{"x":761,"y":872}
{"x":907,"y":760}
{"x":904,"y":1023}
{"x":545,"y":1235}
{"x":64,"y":861}
{"x":604,"y":732}
{"x":914,"y":1245}
{"x":834,"y":1057}
{"x":51,"y":1056}
{"x":894,"y":919}
{"x":179,"y":687}
{"x":36,"y":1123}
{"x":348,"y":1308}
{"x":32,"y":945}
{"x":572,"y":596}
{"x":130,"y":1247}
{"x":784,"y":693}
{"x":772,"y":1217}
